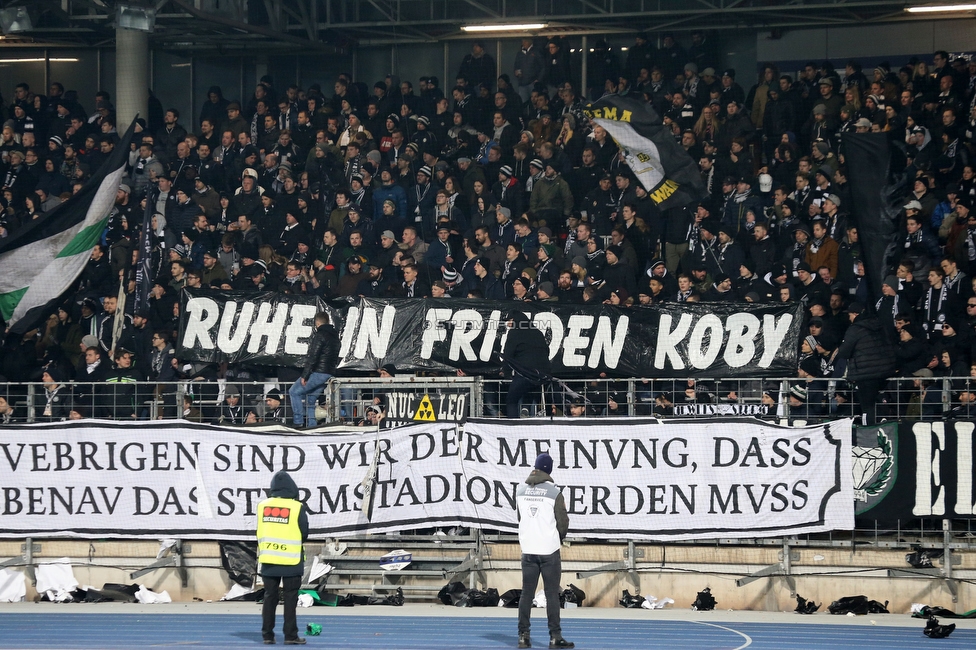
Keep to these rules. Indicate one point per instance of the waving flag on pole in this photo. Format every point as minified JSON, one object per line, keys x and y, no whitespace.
{"x":144,"y":270}
{"x":661,"y":165}
{"x":369,"y":482}
{"x":877,"y":205}
{"x":43,"y":258}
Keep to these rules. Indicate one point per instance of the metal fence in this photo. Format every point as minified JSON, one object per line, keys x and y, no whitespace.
{"x":347,"y":399}
{"x":772,"y":399}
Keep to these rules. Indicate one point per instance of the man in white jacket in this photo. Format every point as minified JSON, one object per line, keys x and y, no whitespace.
{"x":543,"y":523}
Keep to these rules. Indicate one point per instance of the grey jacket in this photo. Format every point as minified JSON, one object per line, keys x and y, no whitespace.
{"x":562,"y":517}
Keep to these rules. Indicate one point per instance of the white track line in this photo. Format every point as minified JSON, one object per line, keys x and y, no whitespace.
{"x":729,"y":629}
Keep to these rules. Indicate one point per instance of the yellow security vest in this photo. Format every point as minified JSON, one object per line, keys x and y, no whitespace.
{"x":279,"y":537}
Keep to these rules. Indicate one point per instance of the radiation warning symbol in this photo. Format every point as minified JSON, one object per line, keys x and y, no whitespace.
{"x":425,"y":412}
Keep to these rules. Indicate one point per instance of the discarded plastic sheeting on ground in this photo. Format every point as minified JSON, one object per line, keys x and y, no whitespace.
{"x":55,"y":576}
{"x":705,"y":602}
{"x":395,"y":600}
{"x":510,"y":598}
{"x":640,"y":602}
{"x":13,"y":586}
{"x":240,"y":593}
{"x":240,"y":561}
{"x":456,"y":594}
{"x":314,"y":598}
{"x":925,"y":611}
{"x":112,"y":593}
{"x":147,"y":596}
{"x":804,"y":606}
{"x":109,"y":593}
{"x":631,"y":602}
{"x":652,"y":602}
{"x":62,"y":596}
{"x":934,"y":630}
{"x":571,"y":596}
{"x":450,"y":592}
{"x":857,"y":605}
{"x":478,"y":598}
{"x":320,"y":596}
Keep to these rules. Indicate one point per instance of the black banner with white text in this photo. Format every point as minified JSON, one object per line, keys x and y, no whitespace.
{"x":715,"y":340}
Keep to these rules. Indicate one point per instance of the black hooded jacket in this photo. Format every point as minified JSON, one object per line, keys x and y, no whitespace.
{"x":526,"y":349}
{"x":870,"y":354}
{"x":216,"y":112}
{"x":283,"y":486}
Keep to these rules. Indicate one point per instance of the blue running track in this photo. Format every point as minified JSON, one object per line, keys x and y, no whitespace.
{"x":64,"y":630}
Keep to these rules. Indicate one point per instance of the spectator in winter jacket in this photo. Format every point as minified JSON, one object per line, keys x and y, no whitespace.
{"x":529,"y":68}
{"x":320,"y":366}
{"x":871,"y":358}
{"x":551,"y":197}
{"x":556,"y":70}
{"x":478,"y":67}
{"x":821,"y":249}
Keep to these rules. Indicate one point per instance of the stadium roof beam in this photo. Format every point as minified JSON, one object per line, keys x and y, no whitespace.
{"x":481,"y":7}
{"x":307,"y":23}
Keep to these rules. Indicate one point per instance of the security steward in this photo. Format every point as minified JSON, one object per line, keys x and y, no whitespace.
{"x":282,"y":529}
{"x":543,"y":523}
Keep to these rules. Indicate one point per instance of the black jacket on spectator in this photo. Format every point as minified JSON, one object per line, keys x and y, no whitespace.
{"x":870,"y":354}
{"x":323,"y":351}
{"x":526,"y":346}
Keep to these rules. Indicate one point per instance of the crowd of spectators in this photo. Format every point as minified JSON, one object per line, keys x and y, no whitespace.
{"x":500,"y":188}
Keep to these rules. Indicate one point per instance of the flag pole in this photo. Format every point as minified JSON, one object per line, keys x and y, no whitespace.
{"x":144,"y":270}
{"x":119,"y":324}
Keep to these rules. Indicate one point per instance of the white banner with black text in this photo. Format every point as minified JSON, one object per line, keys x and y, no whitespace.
{"x":639,"y":479}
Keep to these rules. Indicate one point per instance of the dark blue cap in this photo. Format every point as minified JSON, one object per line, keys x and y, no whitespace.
{"x":544,"y":463}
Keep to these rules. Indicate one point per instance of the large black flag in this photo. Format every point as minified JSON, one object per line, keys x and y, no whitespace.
{"x":661,"y":165}
{"x":875,"y":206}
{"x":144,"y":278}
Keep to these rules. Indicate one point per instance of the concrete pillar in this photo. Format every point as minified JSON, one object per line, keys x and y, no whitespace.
{"x":131,"y":76}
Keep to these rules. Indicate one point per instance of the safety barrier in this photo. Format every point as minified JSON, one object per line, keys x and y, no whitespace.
{"x":348,"y":398}
{"x":466,"y":555}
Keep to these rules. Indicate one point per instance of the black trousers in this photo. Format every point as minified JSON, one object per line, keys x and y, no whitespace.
{"x":550,"y":568}
{"x":290,"y":586}
{"x":867,"y":398}
{"x":520,"y":388}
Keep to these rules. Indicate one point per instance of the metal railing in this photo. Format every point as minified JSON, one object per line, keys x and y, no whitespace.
{"x":37,"y":402}
{"x":903,"y":398}
{"x":347,"y":399}
{"x":405,"y":399}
